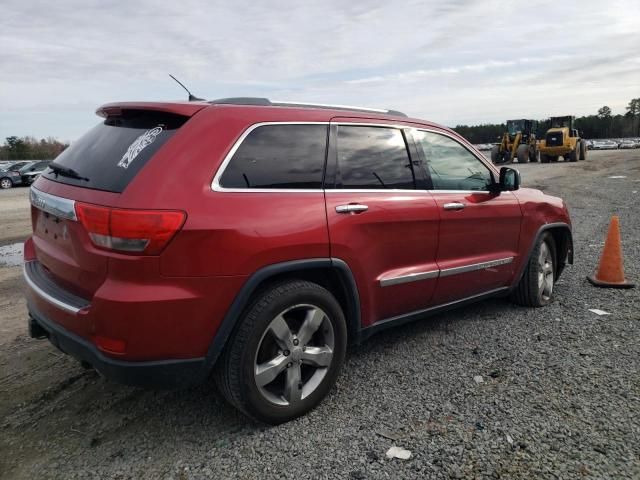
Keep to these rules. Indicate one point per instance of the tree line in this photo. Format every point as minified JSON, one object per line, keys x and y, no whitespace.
{"x":601,"y":125}
{"x":30,"y":148}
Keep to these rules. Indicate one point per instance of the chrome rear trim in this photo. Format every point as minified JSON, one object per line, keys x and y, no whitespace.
{"x":57,"y":206}
{"x":45,"y":296}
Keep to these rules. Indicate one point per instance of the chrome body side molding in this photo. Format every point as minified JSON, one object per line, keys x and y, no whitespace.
{"x":411,"y":277}
{"x":414,"y":277}
{"x":476,"y":266}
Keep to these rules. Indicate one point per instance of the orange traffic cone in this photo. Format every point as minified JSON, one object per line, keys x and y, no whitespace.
{"x":611,"y":272}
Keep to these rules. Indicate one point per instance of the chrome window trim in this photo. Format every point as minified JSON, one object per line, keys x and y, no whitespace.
{"x":366,"y":124}
{"x":216,"y":187}
{"x":374,"y":190}
{"x":459,"y":191}
{"x":447,"y":272}
{"x":45,"y":296}
{"x":57,"y":206}
{"x":215,"y":184}
{"x":411,"y":277}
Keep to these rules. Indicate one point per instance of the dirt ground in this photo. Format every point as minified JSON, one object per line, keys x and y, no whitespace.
{"x":60,"y":421}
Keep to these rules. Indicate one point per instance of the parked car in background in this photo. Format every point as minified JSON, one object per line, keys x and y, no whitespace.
{"x":13,"y":165}
{"x":18,"y":165}
{"x":628,"y":143}
{"x":604,"y":145}
{"x":299,"y":229}
{"x":31,"y":171}
{"x":484,"y":146}
{"x":9,"y":178}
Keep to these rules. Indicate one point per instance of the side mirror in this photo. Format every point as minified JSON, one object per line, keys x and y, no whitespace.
{"x":509,"y":179}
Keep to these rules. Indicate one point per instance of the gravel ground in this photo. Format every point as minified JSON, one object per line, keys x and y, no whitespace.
{"x":558,"y":397}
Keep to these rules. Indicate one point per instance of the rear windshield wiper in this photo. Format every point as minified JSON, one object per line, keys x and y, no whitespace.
{"x":66,"y":172}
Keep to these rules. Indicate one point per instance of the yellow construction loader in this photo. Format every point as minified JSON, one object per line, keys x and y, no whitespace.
{"x":562,"y":140}
{"x":519,"y":141}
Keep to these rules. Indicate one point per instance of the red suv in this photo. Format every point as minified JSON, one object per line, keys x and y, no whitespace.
{"x":255,"y":240}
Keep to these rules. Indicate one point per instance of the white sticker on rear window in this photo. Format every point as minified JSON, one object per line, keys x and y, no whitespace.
{"x":138,"y":145}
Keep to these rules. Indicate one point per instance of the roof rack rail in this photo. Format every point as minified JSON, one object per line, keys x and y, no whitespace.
{"x":258,"y":101}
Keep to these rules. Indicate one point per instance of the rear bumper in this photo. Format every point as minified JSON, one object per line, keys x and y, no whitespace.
{"x":165,"y":374}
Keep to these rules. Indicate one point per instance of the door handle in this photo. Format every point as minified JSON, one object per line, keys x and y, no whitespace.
{"x":352,"y":208}
{"x":454,"y":206}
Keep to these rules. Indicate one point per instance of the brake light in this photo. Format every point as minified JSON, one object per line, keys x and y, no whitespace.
{"x":129,"y":231}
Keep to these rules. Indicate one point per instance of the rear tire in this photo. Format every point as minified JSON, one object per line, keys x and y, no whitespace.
{"x":534,"y":155}
{"x":523,"y":154}
{"x":285,"y":354}
{"x":5,"y":183}
{"x":545,"y":158}
{"x":536,"y":286}
{"x":575,"y":153}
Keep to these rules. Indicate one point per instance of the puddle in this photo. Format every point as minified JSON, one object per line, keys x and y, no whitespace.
{"x":11,"y":255}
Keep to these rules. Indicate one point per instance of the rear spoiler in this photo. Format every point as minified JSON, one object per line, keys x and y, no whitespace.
{"x":186,"y":109}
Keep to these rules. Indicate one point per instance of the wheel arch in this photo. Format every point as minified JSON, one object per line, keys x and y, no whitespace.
{"x":331,"y":273}
{"x":563,"y":238}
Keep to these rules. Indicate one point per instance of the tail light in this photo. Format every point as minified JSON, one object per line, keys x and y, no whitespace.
{"x":144,"y":232}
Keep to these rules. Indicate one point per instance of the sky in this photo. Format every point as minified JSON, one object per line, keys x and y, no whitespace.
{"x":452,"y":62}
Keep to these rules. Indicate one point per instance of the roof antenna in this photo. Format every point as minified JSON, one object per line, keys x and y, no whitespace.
{"x":192,"y":98}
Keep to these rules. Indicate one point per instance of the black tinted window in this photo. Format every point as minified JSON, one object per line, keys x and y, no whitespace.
{"x":279,"y":156}
{"x":373,"y":157}
{"x":451,"y":165}
{"x":113,"y":152}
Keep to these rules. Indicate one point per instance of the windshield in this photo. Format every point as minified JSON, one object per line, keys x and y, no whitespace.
{"x":25,"y":168}
{"x":18,"y":166}
{"x":515,"y":126}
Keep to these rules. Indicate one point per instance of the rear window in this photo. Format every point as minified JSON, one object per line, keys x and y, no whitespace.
{"x":111,"y":154}
{"x":279,"y":156}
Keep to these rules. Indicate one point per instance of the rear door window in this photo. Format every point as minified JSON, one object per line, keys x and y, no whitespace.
{"x":373,"y":158}
{"x":287,"y":156}
{"x":111,"y":154}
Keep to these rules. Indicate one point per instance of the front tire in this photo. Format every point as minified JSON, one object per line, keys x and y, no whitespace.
{"x":523,"y":154}
{"x":286,"y":354}
{"x":536,"y":286}
{"x":583,"y":151}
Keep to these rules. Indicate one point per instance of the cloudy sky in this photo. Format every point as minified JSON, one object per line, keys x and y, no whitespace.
{"x":452,"y":61}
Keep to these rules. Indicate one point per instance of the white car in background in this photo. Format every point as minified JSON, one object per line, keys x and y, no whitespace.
{"x":629,"y":143}
{"x":604,"y":145}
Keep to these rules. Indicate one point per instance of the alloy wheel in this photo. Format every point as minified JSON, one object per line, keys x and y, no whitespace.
{"x":545,"y":272}
{"x":294,"y":355}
